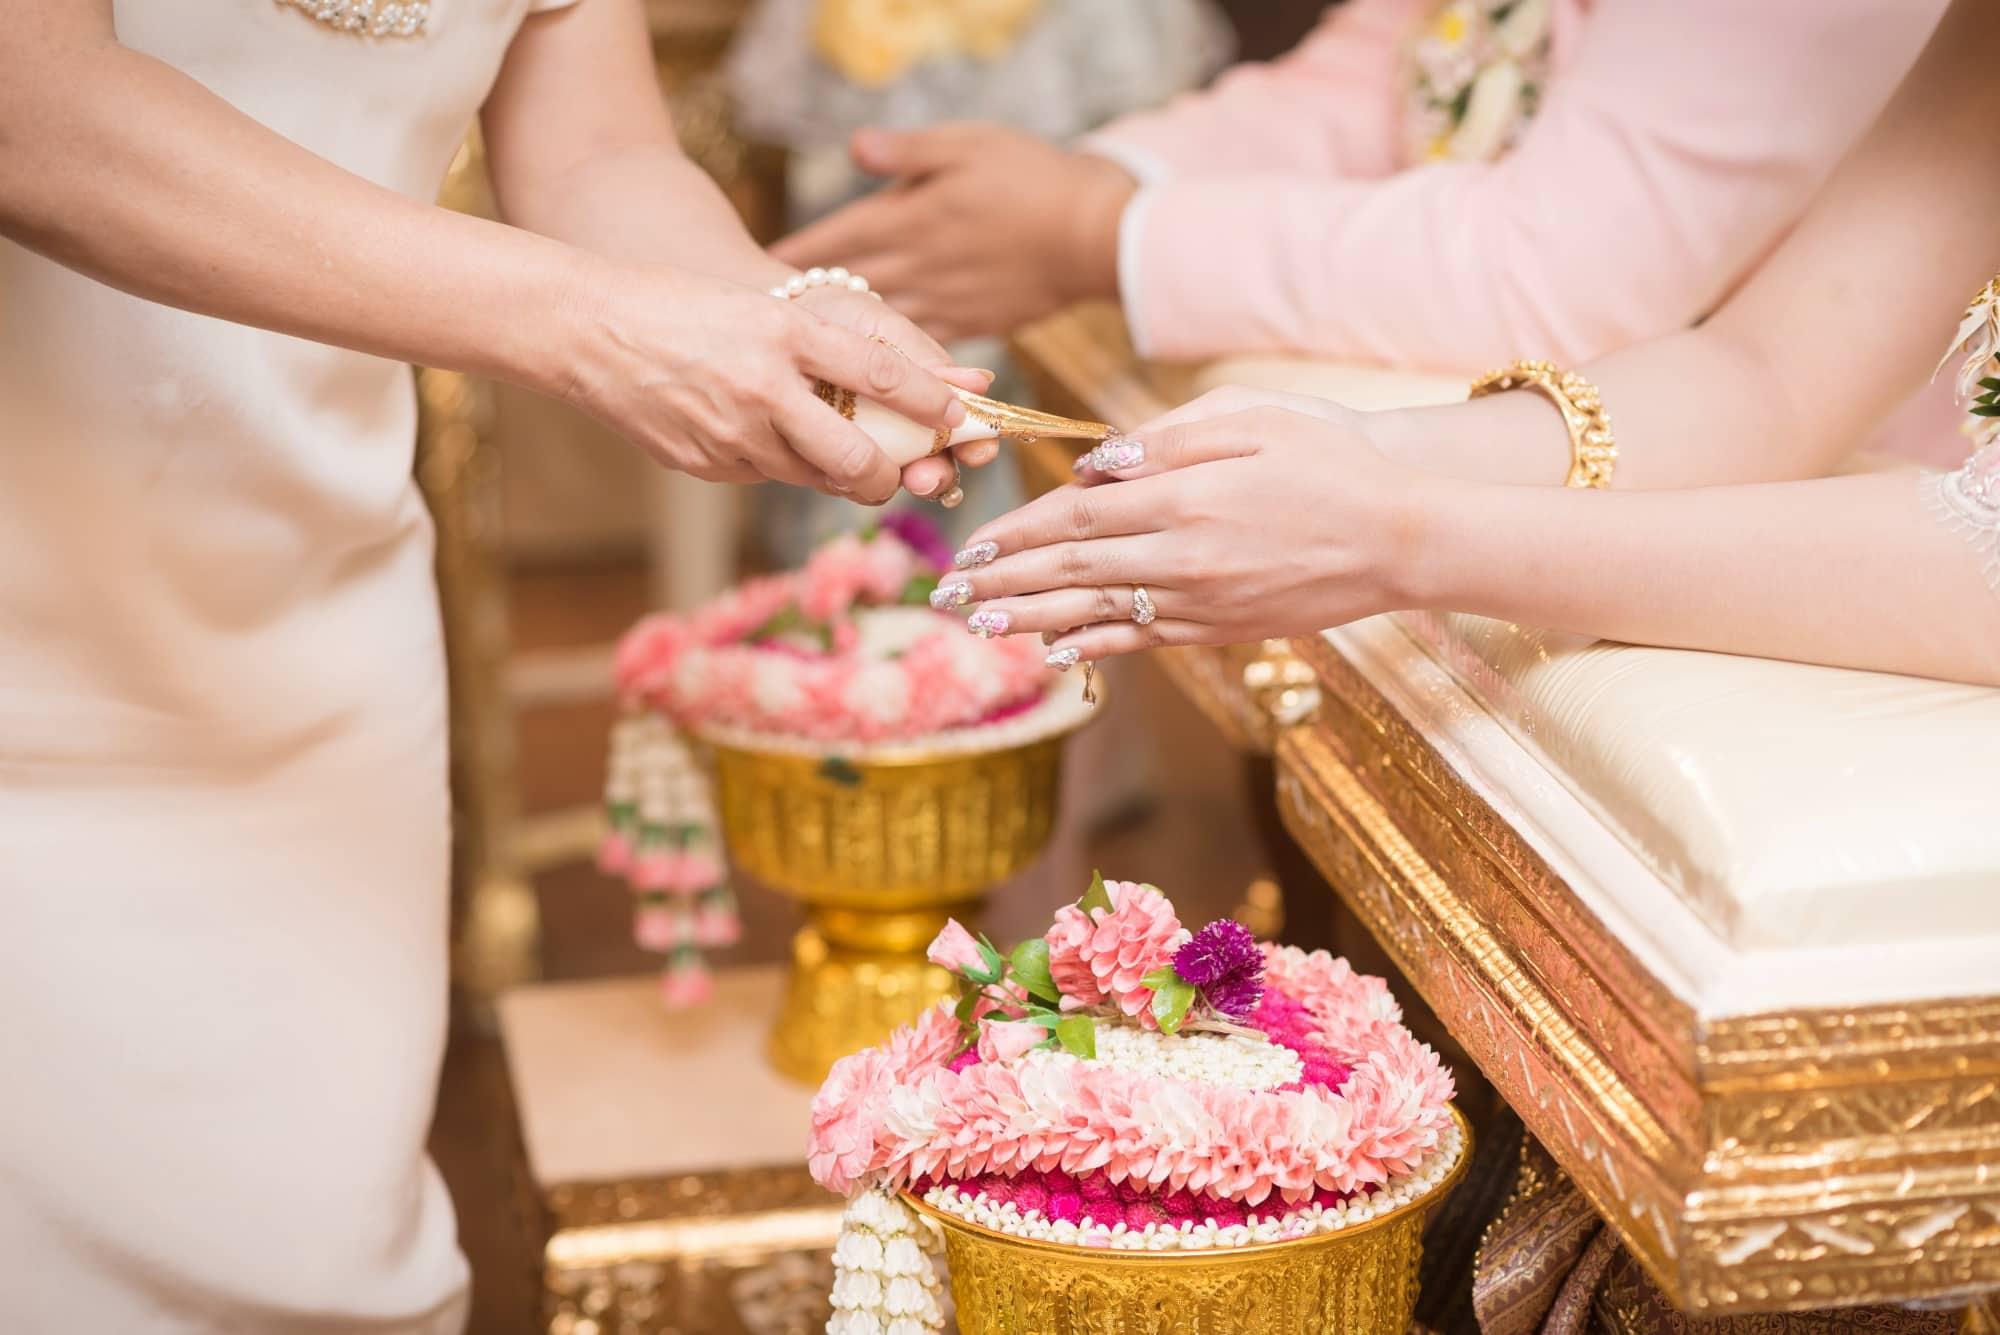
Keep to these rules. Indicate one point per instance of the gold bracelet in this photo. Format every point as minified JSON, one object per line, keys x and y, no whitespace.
{"x":1593,"y":450}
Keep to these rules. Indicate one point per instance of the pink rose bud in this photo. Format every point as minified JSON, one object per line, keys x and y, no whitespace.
{"x":614,"y":855}
{"x":1004,"y":1040}
{"x":956,"y":950}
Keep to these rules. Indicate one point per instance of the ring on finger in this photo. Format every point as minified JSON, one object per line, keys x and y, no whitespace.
{"x":1143,"y":610}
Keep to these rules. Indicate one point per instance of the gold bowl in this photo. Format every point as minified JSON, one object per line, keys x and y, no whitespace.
{"x":882,"y":847}
{"x":1360,"y":1280}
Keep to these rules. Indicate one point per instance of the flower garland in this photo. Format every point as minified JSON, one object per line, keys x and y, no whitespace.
{"x":845,"y":649}
{"x":1968,"y":501}
{"x":662,"y":841}
{"x":1476,"y":75}
{"x":1117,"y":1072}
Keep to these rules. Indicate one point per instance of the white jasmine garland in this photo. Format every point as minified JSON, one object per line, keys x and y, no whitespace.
{"x":884,"y":1280}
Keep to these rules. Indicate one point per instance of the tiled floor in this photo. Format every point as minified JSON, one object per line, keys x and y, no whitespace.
{"x":1194,"y":837}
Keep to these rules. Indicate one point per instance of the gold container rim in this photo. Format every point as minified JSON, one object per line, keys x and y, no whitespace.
{"x":1209,"y":1256}
{"x":892,"y":755}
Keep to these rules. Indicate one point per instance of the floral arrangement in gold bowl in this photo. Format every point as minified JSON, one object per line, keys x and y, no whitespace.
{"x":1126,"y":1128}
{"x":869,"y":757}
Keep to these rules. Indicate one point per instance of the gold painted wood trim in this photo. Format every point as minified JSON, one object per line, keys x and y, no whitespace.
{"x":1771,"y":1162}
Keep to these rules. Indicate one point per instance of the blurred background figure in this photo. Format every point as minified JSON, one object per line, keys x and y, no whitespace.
{"x":1439,"y":185}
{"x":806,"y":75}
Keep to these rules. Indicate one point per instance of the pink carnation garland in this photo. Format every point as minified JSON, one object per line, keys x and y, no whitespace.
{"x":916,"y":1109}
{"x":702,"y":670}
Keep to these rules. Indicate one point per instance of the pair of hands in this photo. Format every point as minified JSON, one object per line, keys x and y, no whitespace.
{"x":714,"y":378}
{"x":980,"y":230}
{"x":1251,"y":514}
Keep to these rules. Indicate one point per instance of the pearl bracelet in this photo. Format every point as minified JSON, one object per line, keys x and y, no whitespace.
{"x":801,"y":283}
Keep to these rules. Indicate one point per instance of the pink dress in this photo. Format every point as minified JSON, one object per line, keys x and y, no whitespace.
{"x":222,"y":759}
{"x":1673,"y":147}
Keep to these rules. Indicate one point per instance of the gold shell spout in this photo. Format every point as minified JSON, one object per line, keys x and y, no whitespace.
{"x":1013,"y":422}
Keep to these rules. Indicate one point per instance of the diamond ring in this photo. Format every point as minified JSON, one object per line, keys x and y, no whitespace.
{"x":1143,"y":610}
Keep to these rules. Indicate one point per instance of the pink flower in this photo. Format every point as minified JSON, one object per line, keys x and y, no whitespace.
{"x":1101,"y":956}
{"x":656,"y":927}
{"x":656,"y":870}
{"x":717,"y":927}
{"x":918,"y":1048}
{"x":614,"y":854}
{"x":697,"y":871}
{"x":956,"y":951}
{"x":686,"y":984}
{"x":1005,"y":1040}
{"x":846,"y":1114}
{"x":833,"y":577}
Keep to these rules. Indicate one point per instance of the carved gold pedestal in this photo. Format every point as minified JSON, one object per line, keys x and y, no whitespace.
{"x":881,"y":850}
{"x":1358,"y":1281}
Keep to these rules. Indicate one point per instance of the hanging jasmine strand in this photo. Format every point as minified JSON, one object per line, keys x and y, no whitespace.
{"x":369,"y":18}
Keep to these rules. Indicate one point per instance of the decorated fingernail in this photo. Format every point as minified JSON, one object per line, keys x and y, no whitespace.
{"x":952,"y":497}
{"x":952,"y":593}
{"x":1062,"y":660}
{"x":986,"y":623}
{"x":1117,"y":455}
{"x":1081,"y":464}
{"x":978,"y":554}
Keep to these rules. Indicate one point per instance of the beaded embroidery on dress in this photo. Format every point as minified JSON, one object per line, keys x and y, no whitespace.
{"x":368,"y":18}
{"x":1968,"y":501}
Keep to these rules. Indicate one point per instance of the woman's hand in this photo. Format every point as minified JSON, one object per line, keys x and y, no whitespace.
{"x":981,"y":230}
{"x":715,"y":379}
{"x":1256,"y":522}
{"x":936,"y":476}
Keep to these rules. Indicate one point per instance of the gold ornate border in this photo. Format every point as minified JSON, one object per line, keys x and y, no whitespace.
{"x":1772,"y":1162}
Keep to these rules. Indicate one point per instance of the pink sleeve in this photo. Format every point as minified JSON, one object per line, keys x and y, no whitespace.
{"x":1678,"y":146}
{"x":1330,"y":107}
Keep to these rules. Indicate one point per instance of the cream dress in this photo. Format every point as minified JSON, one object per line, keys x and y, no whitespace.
{"x":223,"y":811}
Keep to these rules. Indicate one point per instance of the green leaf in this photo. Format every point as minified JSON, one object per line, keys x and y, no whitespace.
{"x":1990,"y":384}
{"x":840,"y":770}
{"x":1987,"y":410}
{"x":1097,"y":897}
{"x":1031,"y":969}
{"x":1046,"y":1019}
{"x":1160,"y":978}
{"x":992,"y":962}
{"x":1171,"y":1004}
{"x":1078,"y":1036}
{"x":917,"y":593}
{"x":789,"y":620}
{"x":967,"y":1004}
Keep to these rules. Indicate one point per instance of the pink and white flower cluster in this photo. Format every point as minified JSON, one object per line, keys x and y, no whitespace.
{"x":1102,"y":956}
{"x":922,"y":1109}
{"x":785,"y":654}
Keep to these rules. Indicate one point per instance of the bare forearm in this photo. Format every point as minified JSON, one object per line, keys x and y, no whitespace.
{"x":1840,"y":325}
{"x":643,"y":202}
{"x":1847,"y":571}
{"x":209,"y":211}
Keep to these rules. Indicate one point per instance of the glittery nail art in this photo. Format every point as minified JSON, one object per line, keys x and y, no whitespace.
{"x":952,"y":593}
{"x":1062,"y":660}
{"x":1115,"y":456}
{"x":978,"y":554}
{"x":986,"y":623}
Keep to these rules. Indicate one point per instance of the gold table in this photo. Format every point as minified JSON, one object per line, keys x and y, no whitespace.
{"x":1764,"y":1163}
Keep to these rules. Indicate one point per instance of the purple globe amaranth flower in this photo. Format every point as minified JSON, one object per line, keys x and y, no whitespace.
{"x":1237,"y":994}
{"x":1224,"y":962}
{"x":1222,"y":948}
{"x":921,"y":536}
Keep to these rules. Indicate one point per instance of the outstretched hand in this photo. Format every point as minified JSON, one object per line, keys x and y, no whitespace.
{"x":981,"y":229}
{"x":1244,"y":515}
